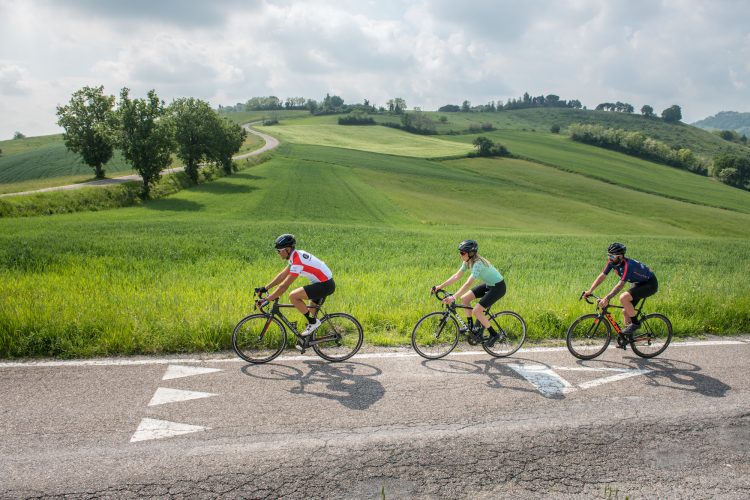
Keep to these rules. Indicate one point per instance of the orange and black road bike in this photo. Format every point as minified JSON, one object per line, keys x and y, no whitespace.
{"x":589,"y":335}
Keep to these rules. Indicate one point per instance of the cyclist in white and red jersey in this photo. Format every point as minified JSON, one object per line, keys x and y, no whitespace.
{"x":629,"y":270}
{"x":301,"y":263}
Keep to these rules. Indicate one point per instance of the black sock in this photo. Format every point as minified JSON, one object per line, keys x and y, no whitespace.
{"x":492,"y":331}
{"x":470,"y":321}
{"x":310,"y":320}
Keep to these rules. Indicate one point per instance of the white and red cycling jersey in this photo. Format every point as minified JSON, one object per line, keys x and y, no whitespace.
{"x":309,"y":266}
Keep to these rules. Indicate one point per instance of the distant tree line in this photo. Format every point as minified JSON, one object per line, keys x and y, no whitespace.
{"x":147,"y":132}
{"x":671,"y":114}
{"x":730,"y":169}
{"x":638,"y":144}
{"x":525,"y":101}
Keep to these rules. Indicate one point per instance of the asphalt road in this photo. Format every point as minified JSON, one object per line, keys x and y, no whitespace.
{"x":385,"y":424}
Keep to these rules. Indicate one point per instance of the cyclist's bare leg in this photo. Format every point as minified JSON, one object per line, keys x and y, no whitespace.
{"x":298,"y":298}
{"x":628,"y":310}
{"x":466,"y":300}
{"x":479,"y":314}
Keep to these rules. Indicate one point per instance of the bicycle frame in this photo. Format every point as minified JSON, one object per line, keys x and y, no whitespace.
{"x":276,"y":312}
{"x":608,"y":315}
{"x":453,"y":309}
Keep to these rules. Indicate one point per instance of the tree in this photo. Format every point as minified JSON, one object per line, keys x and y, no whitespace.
{"x":732,"y":170}
{"x":672,"y":114}
{"x":89,"y":123}
{"x":485,"y":147}
{"x":227,"y":138}
{"x":449,"y":108}
{"x":18,"y":135}
{"x":146,"y":136}
{"x":194,"y":125}
{"x":647,"y":111}
{"x":466,"y":106}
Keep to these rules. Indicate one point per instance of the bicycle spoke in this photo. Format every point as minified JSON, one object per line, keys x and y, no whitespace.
{"x":435,"y":335}
{"x":588,"y":336}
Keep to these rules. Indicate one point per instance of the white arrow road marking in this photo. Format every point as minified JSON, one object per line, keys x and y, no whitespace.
{"x":164,"y":395}
{"x":179,"y":371}
{"x":159,"y":429}
{"x":549,"y":383}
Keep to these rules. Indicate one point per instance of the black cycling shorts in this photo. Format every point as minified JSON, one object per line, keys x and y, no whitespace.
{"x":489,"y":294}
{"x":318,"y":291}
{"x":647,"y":288}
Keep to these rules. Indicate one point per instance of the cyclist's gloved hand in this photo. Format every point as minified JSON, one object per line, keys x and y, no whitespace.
{"x":586,"y":294}
{"x":433,"y":289}
{"x":261,"y":303}
{"x":260,"y":290}
{"x":449,"y":299}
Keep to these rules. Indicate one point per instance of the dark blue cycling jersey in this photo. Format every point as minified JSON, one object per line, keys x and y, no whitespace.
{"x":630,"y":270}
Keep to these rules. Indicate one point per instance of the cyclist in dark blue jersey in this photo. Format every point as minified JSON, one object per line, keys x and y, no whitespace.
{"x":630,"y":271}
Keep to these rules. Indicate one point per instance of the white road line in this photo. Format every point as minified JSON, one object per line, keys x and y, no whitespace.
{"x":374,"y":355}
{"x":613,"y":378}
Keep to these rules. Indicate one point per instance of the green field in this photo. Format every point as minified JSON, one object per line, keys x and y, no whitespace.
{"x":41,"y":162}
{"x":175,"y":274}
{"x":371,"y":138}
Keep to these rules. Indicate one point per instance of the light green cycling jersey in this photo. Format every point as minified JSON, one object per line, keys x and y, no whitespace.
{"x":482,"y":271}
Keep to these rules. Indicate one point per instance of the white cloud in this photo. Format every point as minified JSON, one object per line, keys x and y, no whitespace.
{"x":12,"y":80}
{"x":430,"y":52}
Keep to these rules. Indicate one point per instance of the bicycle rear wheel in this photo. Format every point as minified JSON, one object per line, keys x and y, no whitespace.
{"x":512,"y":330}
{"x":588,"y":336}
{"x":340,"y":336}
{"x":654,"y":336}
{"x":435,"y":335}
{"x":259,"y":338}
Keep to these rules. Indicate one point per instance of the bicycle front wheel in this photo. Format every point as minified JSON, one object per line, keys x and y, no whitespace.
{"x":511,"y":329}
{"x":259,"y":338}
{"x":654,"y":337}
{"x":435,"y":335}
{"x":588,"y":336}
{"x":338,"y":337}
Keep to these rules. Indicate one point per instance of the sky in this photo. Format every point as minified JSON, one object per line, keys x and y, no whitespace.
{"x":692,"y":53}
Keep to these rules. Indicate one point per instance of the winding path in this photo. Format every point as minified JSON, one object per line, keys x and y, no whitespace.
{"x":270,"y":144}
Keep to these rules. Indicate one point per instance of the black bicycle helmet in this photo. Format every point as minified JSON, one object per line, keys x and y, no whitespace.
{"x":616,"y":249}
{"x":470,"y":246}
{"x":284,"y":241}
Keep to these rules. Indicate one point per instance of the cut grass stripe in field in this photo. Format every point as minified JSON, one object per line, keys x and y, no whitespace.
{"x":617,"y":168}
{"x":375,"y":139}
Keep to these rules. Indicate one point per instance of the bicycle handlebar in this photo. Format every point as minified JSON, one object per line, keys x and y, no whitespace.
{"x":440,"y":294}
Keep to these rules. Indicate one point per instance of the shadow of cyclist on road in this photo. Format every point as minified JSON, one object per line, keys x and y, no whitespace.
{"x":349,"y":383}
{"x":681,"y":375}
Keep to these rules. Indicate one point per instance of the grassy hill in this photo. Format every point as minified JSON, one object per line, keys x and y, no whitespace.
{"x":675,"y":135}
{"x":175,"y":274}
{"x":726,"y":120}
{"x":45,"y":161}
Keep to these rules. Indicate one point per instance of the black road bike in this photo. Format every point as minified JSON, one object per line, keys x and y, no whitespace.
{"x":590,"y":334}
{"x":437,"y":333}
{"x":260,"y":337}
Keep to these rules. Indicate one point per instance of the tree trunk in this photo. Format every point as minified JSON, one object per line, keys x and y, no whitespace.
{"x":99,"y":171}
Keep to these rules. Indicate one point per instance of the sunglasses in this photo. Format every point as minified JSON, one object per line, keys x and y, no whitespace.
{"x":612,"y":257}
{"x":462,"y":252}
{"x":279,"y":250}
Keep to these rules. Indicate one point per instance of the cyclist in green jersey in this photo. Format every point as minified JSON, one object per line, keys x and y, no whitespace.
{"x":488,"y":292}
